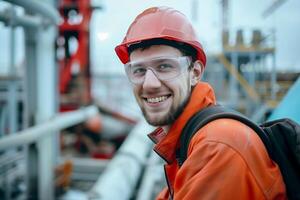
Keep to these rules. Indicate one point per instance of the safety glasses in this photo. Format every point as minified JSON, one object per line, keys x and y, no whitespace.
{"x":164,"y":68}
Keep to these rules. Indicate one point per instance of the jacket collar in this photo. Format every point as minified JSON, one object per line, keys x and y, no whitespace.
{"x":167,"y":143}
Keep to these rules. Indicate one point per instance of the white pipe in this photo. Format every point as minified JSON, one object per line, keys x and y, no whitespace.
{"x":120,"y":177}
{"x":59,"y":122}
{"x":24,"y":20}
{"x":113,"y":128}
{"x":152,"y":179}
{"x":39,"y":7}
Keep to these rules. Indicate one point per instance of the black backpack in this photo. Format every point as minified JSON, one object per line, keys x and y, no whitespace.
{"x":280,"y":137}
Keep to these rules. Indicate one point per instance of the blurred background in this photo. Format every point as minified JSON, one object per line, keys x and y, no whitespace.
{"x":69,"y":125}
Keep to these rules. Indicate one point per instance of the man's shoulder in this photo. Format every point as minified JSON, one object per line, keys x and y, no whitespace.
{"x":230,"y":132}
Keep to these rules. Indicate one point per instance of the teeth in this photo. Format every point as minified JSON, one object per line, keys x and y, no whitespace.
{"x":157,"y":99}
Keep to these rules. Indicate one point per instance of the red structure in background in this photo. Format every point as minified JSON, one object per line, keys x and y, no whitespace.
{"x":73,"y":54}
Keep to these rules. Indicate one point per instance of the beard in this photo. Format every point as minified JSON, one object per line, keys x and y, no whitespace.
{"x":169,"y":118}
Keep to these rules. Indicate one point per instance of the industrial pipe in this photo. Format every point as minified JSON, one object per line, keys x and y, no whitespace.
{"x":59,"y":122}
{"x":24,"y":20}
{"x":38,"y":7}
{"x":122,"y":173}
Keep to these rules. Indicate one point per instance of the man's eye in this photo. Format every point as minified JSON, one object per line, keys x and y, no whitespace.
{"x":138,"y":70}
{"x":164,"y":67}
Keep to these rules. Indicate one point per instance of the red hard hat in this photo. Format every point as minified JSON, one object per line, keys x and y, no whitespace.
{"x":160,"y":22}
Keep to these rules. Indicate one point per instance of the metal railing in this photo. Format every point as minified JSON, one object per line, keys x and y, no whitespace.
{"x":42,"y":135}
{"x":33,"y":6}
{"x":121,"y":176}
{"x":59,"y":122}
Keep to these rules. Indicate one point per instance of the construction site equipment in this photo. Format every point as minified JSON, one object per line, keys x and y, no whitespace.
{"x":73,"y":54}
{"x":37,"y":102}
{"x":40,"y":8}
{"x":42,"y":136}
{"x":242,"y":81}
{"x":153,"y":179}
{"x":240,"y":68}
{"x":121,"y":175}
{"x":46,"y":128}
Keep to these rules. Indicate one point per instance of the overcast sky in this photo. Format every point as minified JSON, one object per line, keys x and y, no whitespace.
{"x":114,"y":20}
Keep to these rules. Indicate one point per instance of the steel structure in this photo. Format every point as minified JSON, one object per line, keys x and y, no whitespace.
{"x":273,"y":7}
{"x":60,"y":121}
{"x":37,"y":93}
{"x":74,"y":63}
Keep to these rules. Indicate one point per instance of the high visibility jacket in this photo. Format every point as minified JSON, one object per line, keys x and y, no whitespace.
{"x":226,"y":159}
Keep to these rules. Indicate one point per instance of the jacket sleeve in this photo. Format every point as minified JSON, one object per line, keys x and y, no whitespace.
{"x":217,"y":169}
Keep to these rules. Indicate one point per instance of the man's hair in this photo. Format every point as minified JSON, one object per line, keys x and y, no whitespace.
{"x":185,"y":49}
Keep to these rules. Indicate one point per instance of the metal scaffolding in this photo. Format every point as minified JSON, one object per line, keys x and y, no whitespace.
{"x":36,"y":94}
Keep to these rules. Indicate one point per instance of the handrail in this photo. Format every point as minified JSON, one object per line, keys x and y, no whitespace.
{"x":24,"y":20}
{"x":122,"y":173}
{"x":59,"y":122}
{"x":39,"y":7}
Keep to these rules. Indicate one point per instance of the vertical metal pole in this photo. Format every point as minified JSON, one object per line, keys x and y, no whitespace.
{"x":273,"y":78}
{"x":263,"y":74}
{"x":253,"y":70}
{"x":12,"y":105}
{"x":3,"y":115}
{"x":46,"y":164}
{"x":46,"y":108}
{"x":30,"y":82}
{"x":32,"y":175}
{"x":7,"y":184}
{"x":11,"y":99}
{"x":29,"y":110}
{"x":30,"y":93}
{"x":233,"y":82}
{"x":40,"y":106}
{"x":252,"y":77}
{"x":12,"y":87}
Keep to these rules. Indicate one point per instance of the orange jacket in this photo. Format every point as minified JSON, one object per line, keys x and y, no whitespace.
{"x":226,"y":159}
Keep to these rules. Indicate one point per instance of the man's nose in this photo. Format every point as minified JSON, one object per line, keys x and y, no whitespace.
{"x":151,"y":81}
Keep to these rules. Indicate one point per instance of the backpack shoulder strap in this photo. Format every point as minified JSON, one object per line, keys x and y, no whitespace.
{"x":207,"y":115}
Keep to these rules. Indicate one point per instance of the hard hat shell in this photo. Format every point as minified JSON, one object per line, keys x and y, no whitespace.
{"x":160,"y":22}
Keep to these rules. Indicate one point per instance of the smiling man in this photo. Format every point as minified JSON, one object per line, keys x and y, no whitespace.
{"x":164,"y":61}
{"x":160,"y":102}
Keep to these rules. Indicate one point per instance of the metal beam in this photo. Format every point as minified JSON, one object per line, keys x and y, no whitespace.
{"x":43,"y":9}
{"x":250,"y":91}
{"x":272,"y":8}
{"x":61,"y":121}
{"x":24,"y":20}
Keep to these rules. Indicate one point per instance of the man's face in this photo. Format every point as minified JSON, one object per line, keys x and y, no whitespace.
{"x":161,"y":101}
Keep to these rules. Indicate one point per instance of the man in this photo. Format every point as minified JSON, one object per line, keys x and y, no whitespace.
{"x":226,"y":159}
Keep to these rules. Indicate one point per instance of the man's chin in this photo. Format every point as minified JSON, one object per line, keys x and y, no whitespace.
{"x":158,"y":120}
{"x":153,"y":122}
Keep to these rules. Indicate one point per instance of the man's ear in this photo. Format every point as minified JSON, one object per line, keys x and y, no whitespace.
{"x":197,"y":72}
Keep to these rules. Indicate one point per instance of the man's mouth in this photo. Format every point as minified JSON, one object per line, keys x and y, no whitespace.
{"x":157,"y":99}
